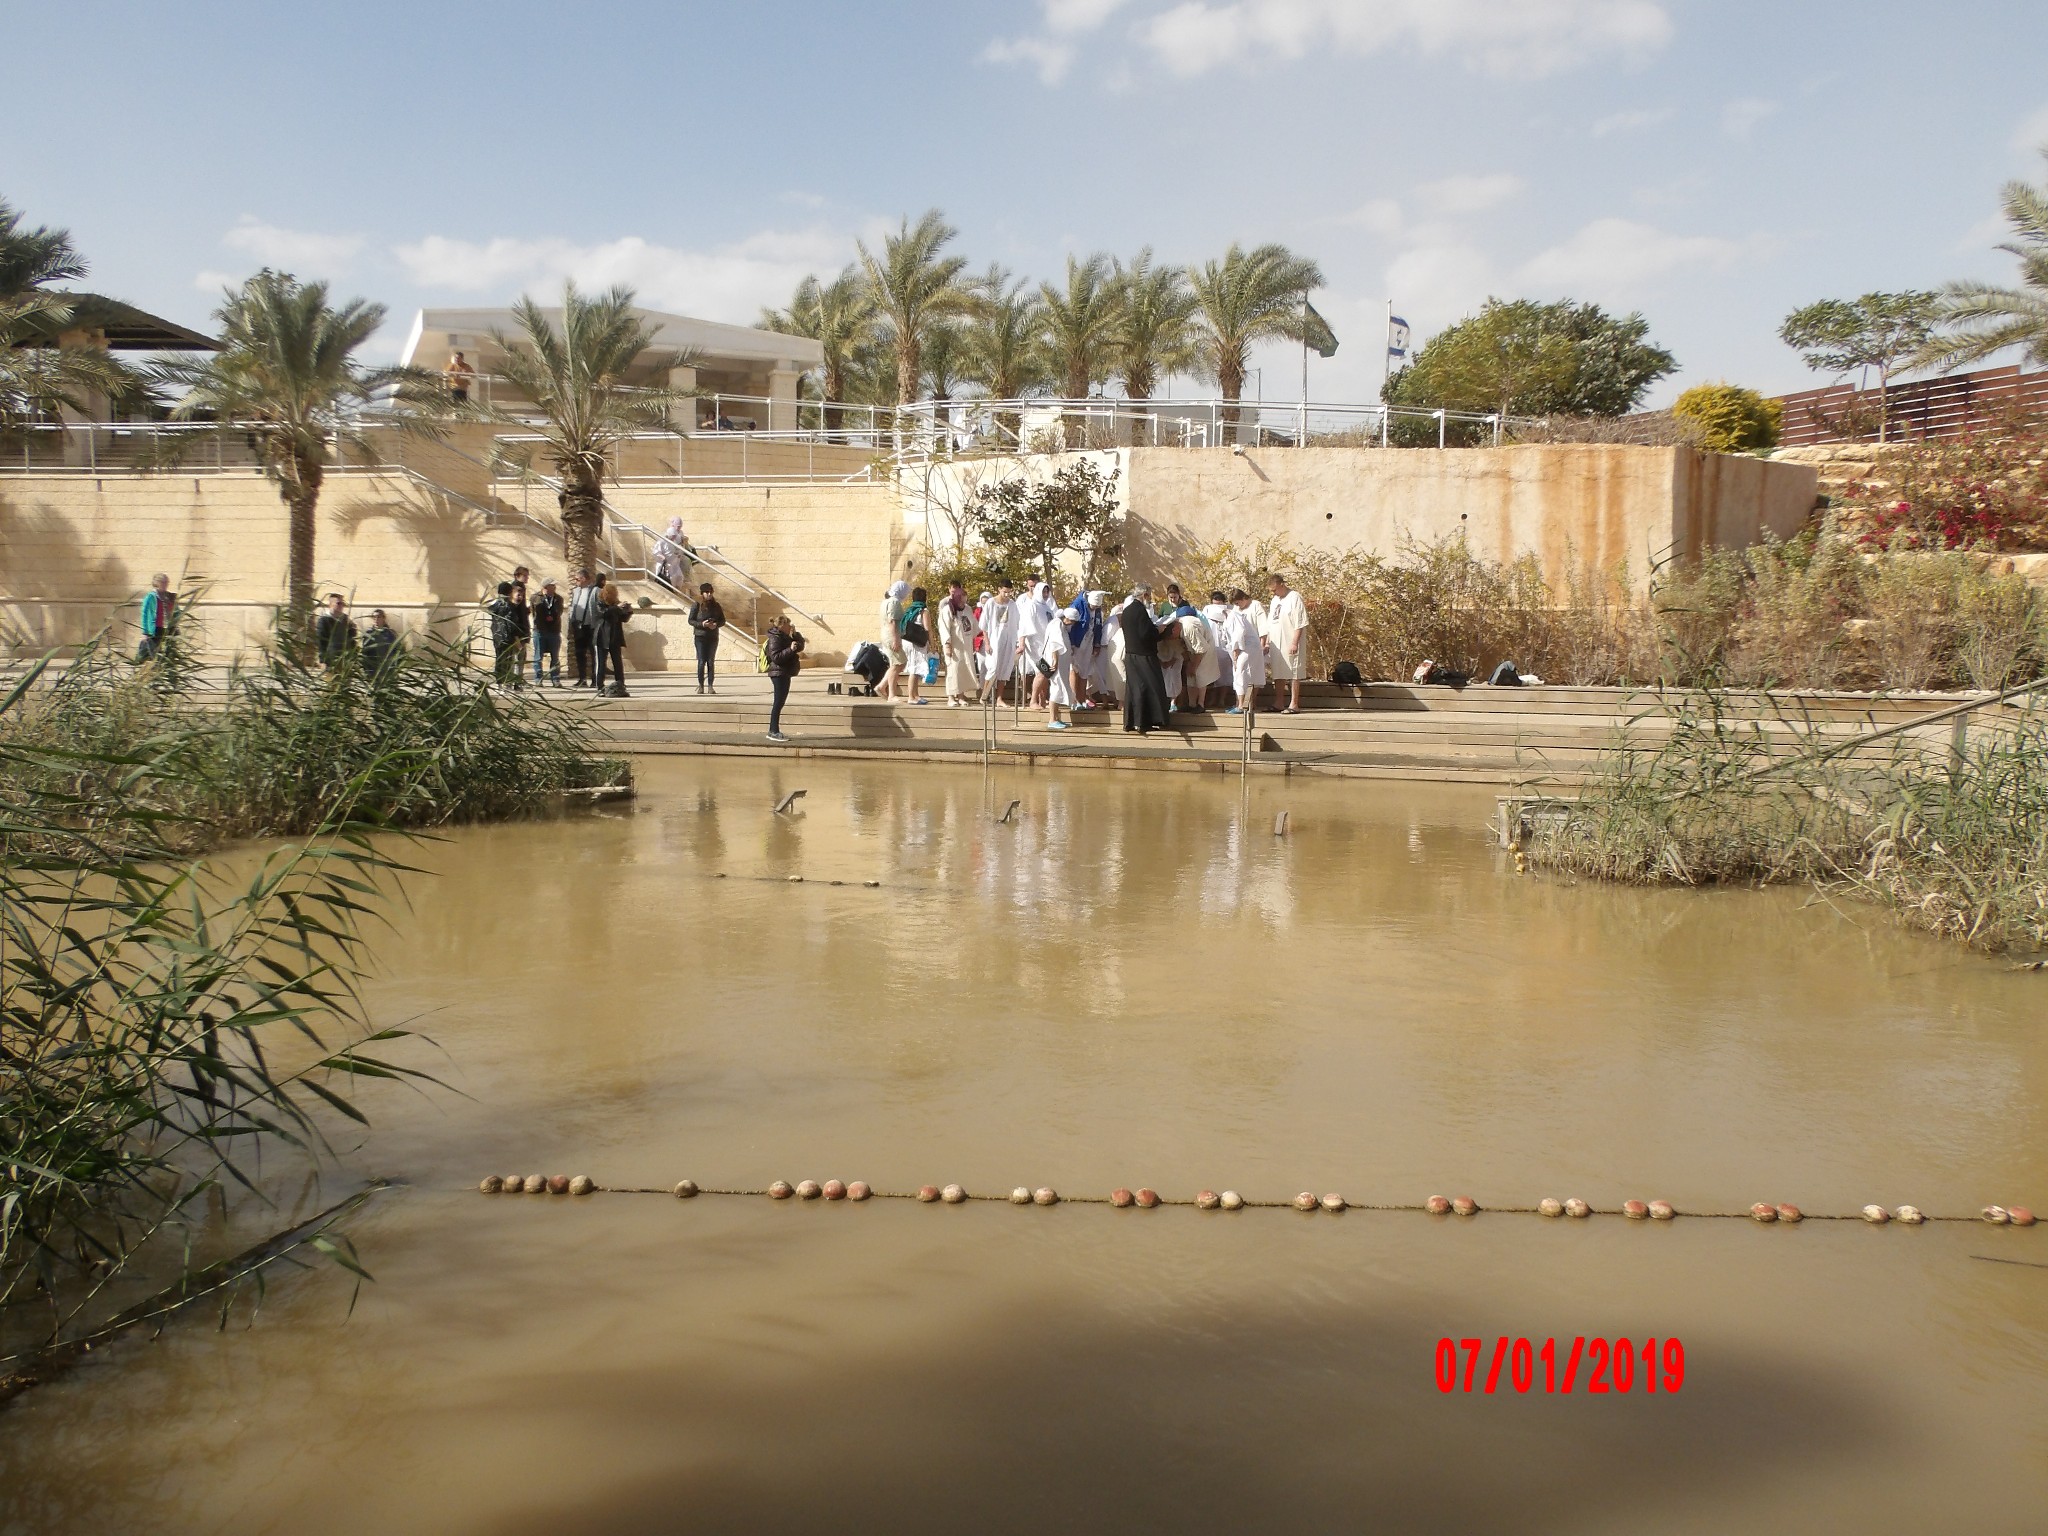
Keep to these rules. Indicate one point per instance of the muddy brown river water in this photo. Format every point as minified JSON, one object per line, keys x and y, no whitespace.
{"x":1134,"y":983}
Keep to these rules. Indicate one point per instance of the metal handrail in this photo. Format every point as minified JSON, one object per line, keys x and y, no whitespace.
{"x":617,"y":520}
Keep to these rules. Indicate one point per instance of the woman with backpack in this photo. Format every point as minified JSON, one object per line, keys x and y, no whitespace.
{"x":917,"y":637}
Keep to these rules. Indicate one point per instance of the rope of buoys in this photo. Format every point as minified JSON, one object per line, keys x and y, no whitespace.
{"x":1764,"y":1212}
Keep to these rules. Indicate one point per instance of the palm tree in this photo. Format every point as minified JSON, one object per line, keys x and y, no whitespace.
{"x":286,"y":376}
{"x":914,"y":287}
{"x":840,"y":317}
{"x":1006,"y":339}
{"x":1006,"y":342}
{"x":1983,"y":318}
{"x":1079,"y":321}
{"x":1154,"y":332}
{"x":573,"y":376}
{"x":39,"y":377}
{"x":945,"y":362}
{"x":1248,"y":297}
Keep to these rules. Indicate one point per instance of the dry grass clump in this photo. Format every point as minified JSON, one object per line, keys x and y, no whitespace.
{"x":1814,"y":612}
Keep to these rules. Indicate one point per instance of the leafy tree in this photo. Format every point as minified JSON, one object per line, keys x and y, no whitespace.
{"x":1248,"y":297}
{"x":287,"y":376}
{"x":914,"y":287}
{"x":573,"y":376}
{"x":1154,"y":330}
{"x":1079,"y":321}
{"x":1030,"y":524}
{"x":840,"y":317}
{"x":1980,"y":319}
{"x":1006,"y":336}
{"x":1731,"y":419}
{"x":1885,"y":331}
{"x":38,"y":377}
{"x":1525,"y":358}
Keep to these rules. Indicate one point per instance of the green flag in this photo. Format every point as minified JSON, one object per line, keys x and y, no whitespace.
{"x":1316,"y":331}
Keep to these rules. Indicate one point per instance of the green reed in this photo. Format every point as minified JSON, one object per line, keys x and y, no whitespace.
{"x":1707,"y":787}
{"x":167,"y":1022}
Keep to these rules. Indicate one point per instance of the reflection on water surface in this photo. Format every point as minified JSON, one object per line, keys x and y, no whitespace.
{"x":1136,"y":983}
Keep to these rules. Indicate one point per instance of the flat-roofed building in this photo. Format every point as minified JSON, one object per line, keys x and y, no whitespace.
{"x":746,"y":378}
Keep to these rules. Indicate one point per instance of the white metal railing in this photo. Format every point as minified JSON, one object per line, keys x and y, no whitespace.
{"x":828,"y":443}
{"x":1045,"y":424}
{"x":674,"y":458}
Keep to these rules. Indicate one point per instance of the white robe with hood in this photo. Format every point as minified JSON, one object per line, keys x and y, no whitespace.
{"x":999,"y":640}
{"x":1247,"y":648}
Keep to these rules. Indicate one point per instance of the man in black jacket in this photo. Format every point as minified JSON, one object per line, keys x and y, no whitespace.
{"x":583,"y":627}
{"x":334,"y":632}
{"x":379,"y":641}
{"x":546,"y":614}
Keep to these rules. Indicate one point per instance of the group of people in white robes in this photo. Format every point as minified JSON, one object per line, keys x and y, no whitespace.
{"x":1154,"y":657}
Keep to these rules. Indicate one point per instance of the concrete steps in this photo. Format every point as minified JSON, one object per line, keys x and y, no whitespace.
{"x":1485,"y":735}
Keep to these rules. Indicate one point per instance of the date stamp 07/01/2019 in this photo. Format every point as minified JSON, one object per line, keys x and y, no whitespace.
{"x":1559,"y":1367}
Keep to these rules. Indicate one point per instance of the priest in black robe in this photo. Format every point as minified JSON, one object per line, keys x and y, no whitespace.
{"x":1144,"y":681}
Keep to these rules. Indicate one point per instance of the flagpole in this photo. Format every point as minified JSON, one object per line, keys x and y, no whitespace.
{"x":1301,"y":431}
{"x":1386,"y":351}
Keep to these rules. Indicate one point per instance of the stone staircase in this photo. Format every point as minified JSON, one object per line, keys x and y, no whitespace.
{"x":1475,"y":734}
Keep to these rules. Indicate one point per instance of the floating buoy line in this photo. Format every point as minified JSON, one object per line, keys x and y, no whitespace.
{"x":1764,"y":1212}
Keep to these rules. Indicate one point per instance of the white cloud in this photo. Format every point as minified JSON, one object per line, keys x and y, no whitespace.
{"x":1523,"y":38}
{"x":1613,"y":258}
{"x":298,"y":251}
{"x":208,"y":280}
{"x":1457,"y":195}
{"x":2032,"y":132}
{"x":1053,"y":54}
{"x":1631,"y":122}
{"x":1433,"y":285}
{"x":729,"y":282}
{"x":1381,"y":216}
{"x":1069,"y":17}
{"x":1739,"y":118}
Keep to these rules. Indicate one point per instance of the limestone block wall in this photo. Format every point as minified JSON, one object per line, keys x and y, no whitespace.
{"x":831,"y":549}
{"x":77,"y":550}
{"x":1573,"y":505}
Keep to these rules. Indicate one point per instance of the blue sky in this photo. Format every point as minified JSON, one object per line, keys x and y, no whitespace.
{"x":1713,"y":164}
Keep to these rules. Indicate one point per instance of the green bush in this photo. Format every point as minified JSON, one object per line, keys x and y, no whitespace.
{"x":1731,"y":419}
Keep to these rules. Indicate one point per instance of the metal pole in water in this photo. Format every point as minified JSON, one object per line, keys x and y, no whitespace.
{"x":788,"y":800}
{"x":1280,"y":825}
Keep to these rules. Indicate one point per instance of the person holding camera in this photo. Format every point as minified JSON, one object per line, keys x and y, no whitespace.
{"x":707,"y":618}
{"x":785,"y":649}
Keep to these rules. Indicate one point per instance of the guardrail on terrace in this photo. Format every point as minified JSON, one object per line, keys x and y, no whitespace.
{"x":827,"y":442}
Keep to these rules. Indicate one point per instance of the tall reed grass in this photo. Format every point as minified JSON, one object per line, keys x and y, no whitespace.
{"x":168,"y":1020}
{"x":1953,"y":839}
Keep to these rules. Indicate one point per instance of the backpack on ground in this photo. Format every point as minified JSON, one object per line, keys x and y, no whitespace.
{"x":1346,"y":675}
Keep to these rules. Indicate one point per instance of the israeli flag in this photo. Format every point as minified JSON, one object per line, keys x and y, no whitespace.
{"x":1397,"y":336}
